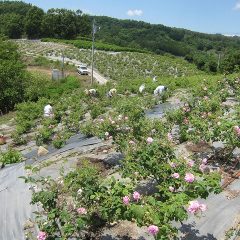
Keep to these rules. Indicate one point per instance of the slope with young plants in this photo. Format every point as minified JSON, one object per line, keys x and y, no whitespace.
{"x":115,"y":65}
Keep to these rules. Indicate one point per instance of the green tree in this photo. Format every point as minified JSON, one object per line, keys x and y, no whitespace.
{"x":16,"y":7}
{"x":33,"y":22}
{"x":12,"y":75}
{"x":11,"y":25}
{"x":60,"y":23}
{"x":231,"y":62}
{"x":83,"y":24}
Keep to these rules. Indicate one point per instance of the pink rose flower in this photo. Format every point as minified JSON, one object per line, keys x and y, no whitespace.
{"x":136,"y":196}
{"x":186,"y":121}
{"x":82,"y":211}
{"x":176,"y":175}
{"x":173,"y":165}
{"x":203,"y":207}
{"x":131,"y":142}
{"x":126,"y":200}
{"x":195,"y":207}
{"x":204,"y":161}
{"x":42,"y":236}
{"x":190,"y":163}
{"x":149,"y":140}
{"x":170,"y":137}
{"x":237,"y":130}
{"x":106,"y":134}
{"x":153,"y":230}
{"x":189,"y":177}
{"x":171,"y":189}
{"x":202,"y":167}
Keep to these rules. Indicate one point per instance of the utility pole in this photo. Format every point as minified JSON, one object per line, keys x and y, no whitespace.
{"x":93,"y":36}
{"x":62,"y":65}
{"x":218,"y":64}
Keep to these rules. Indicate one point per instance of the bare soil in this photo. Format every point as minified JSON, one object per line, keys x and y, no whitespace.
{"x":85,"y":79}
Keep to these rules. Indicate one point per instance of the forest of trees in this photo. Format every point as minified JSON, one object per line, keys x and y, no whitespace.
{"x":209,"y":52}
{"x":204,"y":50}
{"x":19,"y":19}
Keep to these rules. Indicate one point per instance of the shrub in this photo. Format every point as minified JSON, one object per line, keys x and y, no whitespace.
{"x":12,"y":76}
{"x":11,"y":156}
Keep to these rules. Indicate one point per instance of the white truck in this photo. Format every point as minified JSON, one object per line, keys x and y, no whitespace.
{"x":82,"y":70}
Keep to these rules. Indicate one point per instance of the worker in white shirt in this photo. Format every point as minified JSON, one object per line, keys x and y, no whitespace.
{"x":159,"y":90}
{"x":48,"y":111}
{"x":91,"y":92}
{"x":112,"y":92}
{"x":141,"y":88}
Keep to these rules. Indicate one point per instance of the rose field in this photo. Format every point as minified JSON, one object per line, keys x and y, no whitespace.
{"x":130,"y":166}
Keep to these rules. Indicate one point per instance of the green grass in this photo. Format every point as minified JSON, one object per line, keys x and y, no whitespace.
{"x":45,"y":62}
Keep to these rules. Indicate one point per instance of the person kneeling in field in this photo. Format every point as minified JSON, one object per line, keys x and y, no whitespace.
{"x":48,"y":111}
{"x":159,"y":90}
{"x":112,"y":92}
{"x":141,"y":88}
{"x":91,"y":92}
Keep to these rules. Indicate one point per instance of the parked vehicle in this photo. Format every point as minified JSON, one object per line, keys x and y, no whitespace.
{"x":82,"y":70}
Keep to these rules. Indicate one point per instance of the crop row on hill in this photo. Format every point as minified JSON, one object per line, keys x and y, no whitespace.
{"x":86,"y":44}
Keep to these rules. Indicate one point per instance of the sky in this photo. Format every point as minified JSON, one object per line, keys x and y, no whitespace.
{"x":209,"y":16}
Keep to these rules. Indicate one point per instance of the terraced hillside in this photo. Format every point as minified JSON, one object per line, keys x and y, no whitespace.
{"x":115,"y":65}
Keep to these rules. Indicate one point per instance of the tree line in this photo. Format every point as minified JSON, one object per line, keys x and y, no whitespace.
{"x":19,"y":19}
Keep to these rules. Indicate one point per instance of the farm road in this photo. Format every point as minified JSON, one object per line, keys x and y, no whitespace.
{"x":99,"y":78}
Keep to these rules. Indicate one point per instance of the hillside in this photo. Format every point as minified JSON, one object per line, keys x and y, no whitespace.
{"x":209,"y":52}
{"x":114,"y":65}
{"x":199,"y":48}
{"x":159,"y":38}
{"x":103,"y":166}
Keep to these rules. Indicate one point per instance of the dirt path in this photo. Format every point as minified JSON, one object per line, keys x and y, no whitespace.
{"x":99,"y":78}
